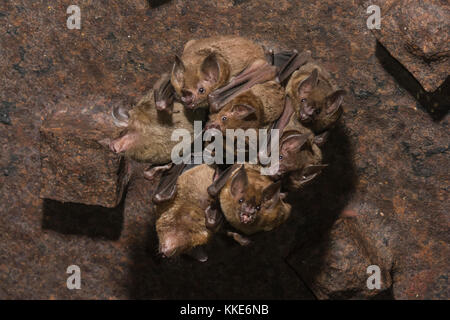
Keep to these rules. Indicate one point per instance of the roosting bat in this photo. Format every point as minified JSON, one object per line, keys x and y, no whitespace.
{"x":181,"y":223}
{"x":208,"y":64}
{"x":316,"y":100}
{"x":250,"y":202}
{"x":148,"y":131}
{"x":280,"y":68}
{"x":299,"y":156}
{"x":255,"y":108}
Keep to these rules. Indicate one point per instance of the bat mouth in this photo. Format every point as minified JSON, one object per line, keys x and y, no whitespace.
{"x":190,"y":106}
{"x":247,"y":218}
{"x":304,"y":117}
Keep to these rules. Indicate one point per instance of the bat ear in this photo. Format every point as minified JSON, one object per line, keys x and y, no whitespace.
{"x":285,"y":117}
{"x":272,"y":193}
{"x":242,"y":111}
{"x":239,"y":183}
{"x":219,"y":181}
{"x":178,"y":70}
{"x":306,"y":86}
{"x":334,"y":101}
{"x":211,"y":68}
{"x":294,"y":142}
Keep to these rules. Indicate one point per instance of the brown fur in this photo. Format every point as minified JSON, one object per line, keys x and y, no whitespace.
{"x":232,"y":54}
{"x":181,"y":223}
{"x":151,"y":130}
{"x":319,"y":96}
{"x":266,"y":99}
{"x":271,"y":214}
{"x":309,"y":154}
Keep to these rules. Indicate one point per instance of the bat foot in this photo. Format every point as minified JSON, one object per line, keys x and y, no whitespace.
{"x":243,"y":241}
{"x":213,"y":218}
{"x":167,"y":186}
{"x":152,"y":173}
{"x":199,"y":254}
{"x":322,"y":138}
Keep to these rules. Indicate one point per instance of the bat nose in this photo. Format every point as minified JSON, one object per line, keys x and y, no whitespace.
{"x":187,"y":97}
{"x":212,"y":125}
{"x":186,"y":100}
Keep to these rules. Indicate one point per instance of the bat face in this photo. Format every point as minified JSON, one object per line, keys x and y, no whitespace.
{"x":193,"y":84}
{"x":253,"y":195}
{"x":316,"y":107}
{"x":292,"y":144}
{"x":243,"y":112}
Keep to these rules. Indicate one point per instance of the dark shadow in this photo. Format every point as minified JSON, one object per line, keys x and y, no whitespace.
{"x":387,"y":294}
{"x":157,"y":3}
{"x":258,"y":271}
{"x":81,"y":219}
{"x":436,"y":103}
{"x":319,"y":205}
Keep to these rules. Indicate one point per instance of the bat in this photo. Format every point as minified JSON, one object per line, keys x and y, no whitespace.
{"x":146,"y":137}
{"x":210,"y":63}
{"x":250,"y":202}
{"x":256,"y":108}
{"x":278,"y":67}
{"x":316,"y":100}
{"x":181,"y":225}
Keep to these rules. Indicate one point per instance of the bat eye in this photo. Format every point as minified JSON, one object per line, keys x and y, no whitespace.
{"x":224,"y":118}
{"x":241,"y":200}
{"x":280,"y":157}
{"x":258,"y":208}
{"x":303,"y":100}
{"x":201,"y":90}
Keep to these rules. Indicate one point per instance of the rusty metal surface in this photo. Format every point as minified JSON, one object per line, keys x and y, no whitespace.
{"x":383,"y":200}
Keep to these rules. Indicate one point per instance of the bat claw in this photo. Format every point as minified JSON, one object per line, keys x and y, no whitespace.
{"x":243,"y":241}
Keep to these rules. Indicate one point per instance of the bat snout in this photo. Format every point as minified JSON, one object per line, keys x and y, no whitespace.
{"x":212,"y":125}
{"x":247,"y":214}
{"x":247,"y":217}
{"x":169,"y":246}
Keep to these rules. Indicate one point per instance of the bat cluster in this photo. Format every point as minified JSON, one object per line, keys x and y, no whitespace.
{"x":229,"y":82}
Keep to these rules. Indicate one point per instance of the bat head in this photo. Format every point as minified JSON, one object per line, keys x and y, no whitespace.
{"x":243,"y":112}
{"x":291,"y":145}
{"x":181,"y":230}
{"x":252,"y":194}
{"x":316,"y":106}
{"x":193,"y":84}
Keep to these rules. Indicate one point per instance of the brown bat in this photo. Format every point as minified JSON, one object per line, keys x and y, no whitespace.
{"x":148,"y":131}
{"x":213,"y":71}
{"x":181,"y":225}
{"x":255,"y":108}
{"x":316,"y":100}
{"x":297,"y":144}
{"x":280,"y":67}
{"x":250,"y":202}
{"x":208,"y":64}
